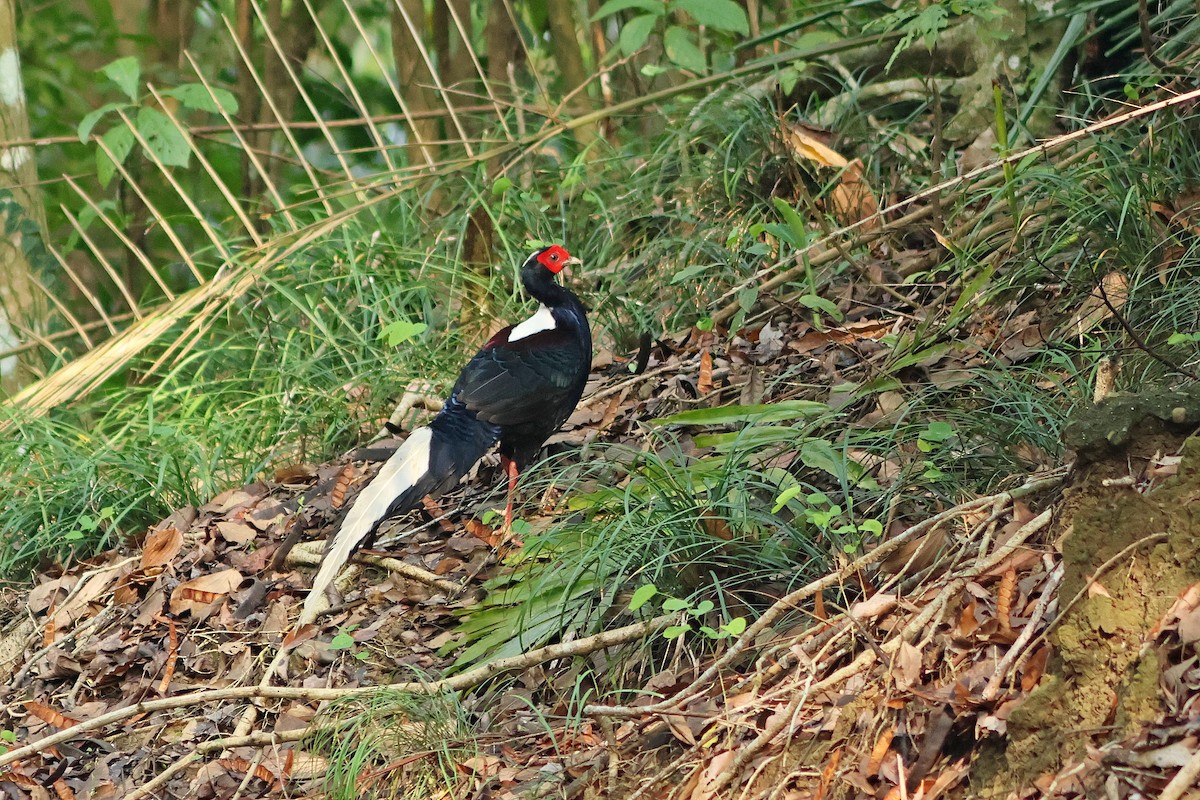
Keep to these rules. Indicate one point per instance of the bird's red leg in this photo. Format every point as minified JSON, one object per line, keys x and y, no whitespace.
{"x":510,"y":467}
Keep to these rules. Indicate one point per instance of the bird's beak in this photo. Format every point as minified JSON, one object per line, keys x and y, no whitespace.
{"x":570,"y":262}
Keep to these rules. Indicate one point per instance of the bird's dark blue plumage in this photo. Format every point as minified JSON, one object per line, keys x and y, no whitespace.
{"x":516,"y":391}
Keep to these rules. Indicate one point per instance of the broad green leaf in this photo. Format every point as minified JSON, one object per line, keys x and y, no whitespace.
{"x":747,"y":298}
{"x":690,"y":272}
{"x":675,"y":631}
{"x":725,"y":415}
{"x":88,"y":123}
{"x":194,"y":95}
{"x":502,"y":185}
{"x":165,"y":140}
{"x":785,"y":496}
{"x":341,"y":641}
{"x":937,"y":431}
{"x":401,"y":331}
{"x":735,"y":626}
{"x":635,"y":33}
{"x":675,"y":604}
{"x":724,"y":15}
{"x":819,"y":454}
{"x":120,"y":141}
{"x":682,"y":50}
{"x":124,"y":72}
{"x":703,"y":607}
{"x":871,"y":526}
{"x":821,"y":304}
{"x":642,"y":595}
{"x":797,"y":230}
{"x":615,"y":6}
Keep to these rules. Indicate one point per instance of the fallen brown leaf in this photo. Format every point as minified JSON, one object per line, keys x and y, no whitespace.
{"x":199,"y":592}
{"x":160,"y":548}
{"x":48,"y":715}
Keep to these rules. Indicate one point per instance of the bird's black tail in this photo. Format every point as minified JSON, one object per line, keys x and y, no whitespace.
{"x":431,"y":461}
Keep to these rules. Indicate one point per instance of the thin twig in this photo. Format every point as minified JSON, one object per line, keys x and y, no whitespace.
{"x":1049,"y":593}
{"x":788,"y":603}
{"x":458,"y":683}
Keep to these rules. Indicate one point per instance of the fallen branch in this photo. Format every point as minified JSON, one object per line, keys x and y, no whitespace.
{"x":303,"y":556}
{"x":788,"y":603}
{"x":458,"y":683}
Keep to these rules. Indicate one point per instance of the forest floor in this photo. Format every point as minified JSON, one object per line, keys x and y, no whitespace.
{"x":1039,"y":642}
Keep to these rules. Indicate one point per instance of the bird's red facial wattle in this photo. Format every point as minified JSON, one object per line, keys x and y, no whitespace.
{"x":554,"y":258}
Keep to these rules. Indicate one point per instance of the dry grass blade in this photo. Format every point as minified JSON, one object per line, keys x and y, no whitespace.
{"x":236,"y":130}
{"x":234,"y":205}
{"x":90,"y":370}
{"x":248,"y":65}
{"x":180,"y":248}
{"x":418,"y":41}
{"x":284,"y":59}
{"x":108,"y":268}
{"x":217,"y":239}
{"x":361,"y":107}
{"x":119,"y":232}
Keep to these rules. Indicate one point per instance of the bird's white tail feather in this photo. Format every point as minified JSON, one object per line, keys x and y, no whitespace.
{"x":406,"y":466}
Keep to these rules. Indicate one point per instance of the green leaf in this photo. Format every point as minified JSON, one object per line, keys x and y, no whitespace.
{"x":937,"y":431}
{"x":92,"y":117}
{"x":194,"y":95}
{"x":704,"y":324}
{"x":764,"y":412}
{"x":635,"y":33}
{"x":798,"y":231}
{"x":8,"y":736}
{"x":642,"y":595}
{"x":702,"y":608}
{"x":124,"y":72}
{"x":401,"y":331}
{"x":341,"y":641}
{"x":502,"y":185}
{"x":819,"y":454}
{"x":682,"y":50}
{"x":163,"y":138}
{"x":120,"y":141}
{"x":652,"y":70}
{"x":747,"y":298}
{"x":735,"y":626}
{"x":675,"y":631}
{"x":73,"y":536}
{"x":871,"y":526}
{"x":690,"y":272}
{"x":615,"y":6}
{"x":724,"y":15}
{"x":675,"y":604}
{"x":785,"y":496}
{"x":821,"y":304}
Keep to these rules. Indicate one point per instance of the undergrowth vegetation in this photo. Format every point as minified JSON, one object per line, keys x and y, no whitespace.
{"x":999,"y":303}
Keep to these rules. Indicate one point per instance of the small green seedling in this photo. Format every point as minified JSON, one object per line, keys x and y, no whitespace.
{"x":670,"y":605}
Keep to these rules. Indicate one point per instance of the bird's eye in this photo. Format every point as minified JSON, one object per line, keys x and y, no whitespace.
{"x":554,"y":256}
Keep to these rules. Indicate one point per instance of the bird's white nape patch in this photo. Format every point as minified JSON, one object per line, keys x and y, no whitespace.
{"x":542,"y":320}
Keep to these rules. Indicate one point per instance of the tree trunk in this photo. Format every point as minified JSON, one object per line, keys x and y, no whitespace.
{"x":564,"y":33}
{"x":22,"y":304}
{"x":412,"y":73}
